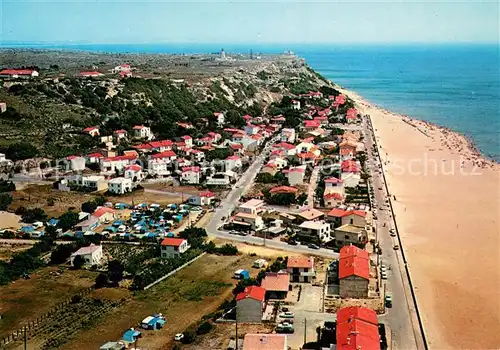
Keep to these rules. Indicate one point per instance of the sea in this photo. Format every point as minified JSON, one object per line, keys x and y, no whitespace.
{"x":455,"y":86}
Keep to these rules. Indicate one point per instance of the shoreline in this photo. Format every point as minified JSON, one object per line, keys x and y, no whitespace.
{"x":448,"y":223}
{"x":467,"y":141}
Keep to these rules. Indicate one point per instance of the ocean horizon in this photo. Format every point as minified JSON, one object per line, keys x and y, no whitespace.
{"x":453,"y":85}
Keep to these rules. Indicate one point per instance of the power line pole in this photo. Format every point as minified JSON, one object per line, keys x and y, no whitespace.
{"x":305,"y":330}
{"x":236,"y":338}
{"x":25,"y":340}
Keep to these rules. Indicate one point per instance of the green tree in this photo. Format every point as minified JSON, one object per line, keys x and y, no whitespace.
{"x":21,"y":150}
{"x":35,"y":214}
{"x":68,"y":220}
{"x":78,"y":262}
{"x":101,"y":280}
{"x":5,"y":201}
{"x":195,"y":236}
{"x":61,"y":253}
{"x":89,"y":207}
{"x":264,"y":178}
{"x":51,"y":232}
{"x":115,"y":271}
{"x":7,"y":186}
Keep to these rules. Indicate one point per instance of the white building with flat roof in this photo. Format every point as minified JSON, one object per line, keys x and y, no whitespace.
{"x":253,"y":206}
{"x":92,"y":255}
{"x":120,"y":185}
{"x":316,"y":229}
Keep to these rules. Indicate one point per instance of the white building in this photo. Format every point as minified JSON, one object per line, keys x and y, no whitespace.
{"x":91,"y":254}
{"x":232,"y":163}
{"x":287,"y":135}
{"x":75,"y":163}
{"x":332,"y":184}
{"x":295,"y":104}
{"x":160,"y":163}
{"x":133,"y":172}
{"x":316,"y":229}
{"x":204,"y":198}
{"x":251,"y":129}
{"x":219,"y":117}
{"x":191,"y":175}
{"x":350,"y":179}
{"x":117,"y":163}
{"x":143,"y":132}
{"x":95,"y":182}
{"x":173,"y":247}
{"x":120,"y":185}
{"x":221,"y":178}
{"x":296,"y":175}
{"x":253,"y":206}
{"x":253,"y":221}
{"x":5,"y":161}
{"x":188,"y":140}
{"x":92,"y":131}
{"x":121,"y":68}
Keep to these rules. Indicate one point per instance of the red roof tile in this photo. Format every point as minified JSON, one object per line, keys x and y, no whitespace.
{"x":208,"y":194}
{"x":100,"y":211}
{"x":276,"y":282}
{"x":283,"y":189}
{"x":172,"y":242}
{"x":195,"y":169}
{"x":356,"y":335}
{"x":354,"y":262}
{"x":300,"y":262}
{"x":17,"y":71}
{"x":357,"y":312}
{"x":253,"y":292}
{"x":166,"y":154}
{"x":333,"y":180}
{"x":91,"y":128}
{"x":333,"y":195}
{"x":134,"y":167}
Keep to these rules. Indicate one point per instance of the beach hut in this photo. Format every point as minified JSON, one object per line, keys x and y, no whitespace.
{"x":154,"y":206}
{"x":241,"y":274}
{"x":153,"y":322}
{"x":170,"y":234}
{"x":131,"y":336}
{"x":110,"y":229}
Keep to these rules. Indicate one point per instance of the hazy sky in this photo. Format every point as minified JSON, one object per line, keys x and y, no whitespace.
{"x":248,"y":21}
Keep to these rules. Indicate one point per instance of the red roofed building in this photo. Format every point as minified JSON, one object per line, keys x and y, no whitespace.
{"x":173,"y":247}
{"x":188,"y":140}
{"x":160,"y":163}
{"x":283,"y":189}
{"x":352,"y":115}
{"x":133,"y":172}
{"x":311,"y":124}
{"x":120,"y":134}
{"x":354,"y":272}
{"x":92,"y":74}
{"x":18,"y":73}
{"x":250,"y":304}
{"x":301,"y":268}
{"x":93,"y":158}
{"x":357,"y":328}
{"x":332,"y":199}
{"x":191,"y":175}
{"x":104,"y":214}
{"x":204,"y":198}
{"x":276,"y":284}
{"x":350,"y":166}
{"x":92,"y":131}
{"x":112,"y":164}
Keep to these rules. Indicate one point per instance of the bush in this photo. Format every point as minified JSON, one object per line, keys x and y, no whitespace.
{"x":204,"y":328}
{"x":5,"y":201}
{"x":7,"y":186}
{"x":101,"y":280}
{"x":189,"y":337}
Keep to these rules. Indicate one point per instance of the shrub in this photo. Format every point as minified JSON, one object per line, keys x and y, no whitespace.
{"x":204,"y":328}
{"x":189,"y":337}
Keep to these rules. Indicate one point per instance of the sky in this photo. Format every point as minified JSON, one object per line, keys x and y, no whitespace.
{"x":260,"y":22}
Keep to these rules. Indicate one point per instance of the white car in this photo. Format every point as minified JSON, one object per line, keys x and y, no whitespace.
{"x":383,"y":275}
{"x":179,"y":337}
{"x":287,"y":314}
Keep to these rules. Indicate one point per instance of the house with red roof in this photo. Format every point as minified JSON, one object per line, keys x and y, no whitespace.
{"x":117,"y":163}
{"x":232,"y":163}
{"x":283,"y":189}
{"x":357,"y":328}
{"x":134,"y":172}
{"x":120,"y":134}
{"x":332,"y":199}
{"x":310,"y":125}
{"x":197,"y":155}
{"x":352,"y":115}
{"x":350,"y":166}
{"x":159,"y":164}
{"x":204,"y":199}
{"x":250,"y":305}
{"x":279,"y":119}
{"x":251,"y":129}
{"x":93,"y":158}
{"x":92,"y":131}
{"x":341,"y":217}
{"x":142,"y":132}
{"x":286,"y":147}
{"x":295,"y":175}
{"x":188,"y":140}
{"x":276,"y":284}
{"x":191,"y":175}
{"x":18,"y":73}
{"x":354,"y":272}
{"x":185,"y":125}
{"x":171,"y":247}
{"x":301,"y":268}
{"x":287,"y":135}
{"x":91,"y":74}
{"x":122,"y":68}
{"x":104,"y":214}
{"x":263,"y":341}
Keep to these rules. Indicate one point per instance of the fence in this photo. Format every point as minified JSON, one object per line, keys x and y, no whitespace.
{"x":174,"y":271}
{"x":29,"y":328}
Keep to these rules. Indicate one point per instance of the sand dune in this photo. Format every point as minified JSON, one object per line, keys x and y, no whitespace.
{"x":448,"y":211}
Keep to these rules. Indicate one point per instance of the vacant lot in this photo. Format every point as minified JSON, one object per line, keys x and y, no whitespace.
{"x":183,"y":298}
{"x":25,"y":300}
{"x":7,"y":250}
{"x":34,"y":196}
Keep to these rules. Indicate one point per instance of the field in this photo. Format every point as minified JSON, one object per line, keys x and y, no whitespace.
{"x":25,"y":300}
{"x":38,"y":196}
{"x":7,"y":250}
{"x":183,"y":298}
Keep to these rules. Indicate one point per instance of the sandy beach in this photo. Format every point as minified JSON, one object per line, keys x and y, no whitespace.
{"x":448,"y":214}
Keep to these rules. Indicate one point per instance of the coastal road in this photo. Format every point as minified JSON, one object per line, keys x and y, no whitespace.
{"x":229,"y":203}
{"x":401,"y":317}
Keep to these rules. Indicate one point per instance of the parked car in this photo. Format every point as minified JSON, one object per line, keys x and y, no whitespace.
{"x":234,"y":232}
{"x":292,"y":242}
{"x":383,"y":275}
{"x":396,"y":247}
{"x":313,"y":246}
{"x":392,"y":232}
{"x":287,"y":314}
{"x":179,"y":337}
{"x":388,"y":301}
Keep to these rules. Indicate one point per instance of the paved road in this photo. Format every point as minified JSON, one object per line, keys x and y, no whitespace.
{"x":313,"y":183}
{"x":230,"y":202}
{"x":399,"y":317}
